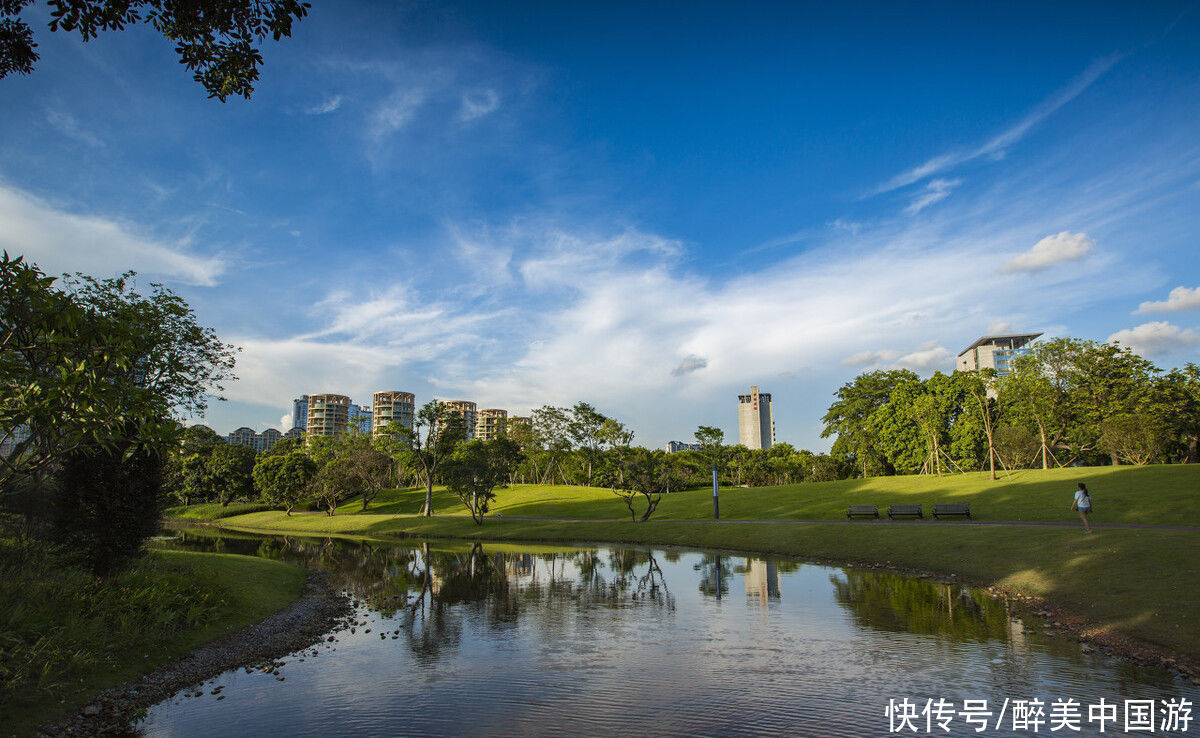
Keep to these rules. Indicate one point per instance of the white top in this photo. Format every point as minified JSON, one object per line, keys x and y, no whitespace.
{"x":1082,"y":500}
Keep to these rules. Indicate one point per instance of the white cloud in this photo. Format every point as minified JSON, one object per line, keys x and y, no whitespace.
{"x":61,"y":241}
{"x":1051,"y":250}
{"x":999,"y":327}
{"x":870,"y":358}
{"x":395,"y":112}
{"x":478,"y":104}
{"x":1155,"y":338}
{"x":931,"y":356}
{"x":935,"y":191}
{"x":329,"y":105}
{"x":1180,"y":298}
{"x":66,"y":124}
{"x":285,"y":422}
{"x":995,"y":147}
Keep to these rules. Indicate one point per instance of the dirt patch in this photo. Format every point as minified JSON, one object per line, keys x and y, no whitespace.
{"x":319,"y":610}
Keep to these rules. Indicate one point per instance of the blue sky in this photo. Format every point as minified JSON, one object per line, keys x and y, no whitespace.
{"x":646,"y":207}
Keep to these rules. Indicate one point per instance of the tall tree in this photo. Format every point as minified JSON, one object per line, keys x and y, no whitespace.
{"x":216,"y":40}
{"x":850,"y":417}
{"x":585,"y":428}
{"x":1178,"y":397}
{"x":980,"y":387}
{"x":434,"y":436}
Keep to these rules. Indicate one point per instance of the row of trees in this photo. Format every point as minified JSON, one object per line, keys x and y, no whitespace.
{"x":576,"y":445}
{"x":1068,"y":401}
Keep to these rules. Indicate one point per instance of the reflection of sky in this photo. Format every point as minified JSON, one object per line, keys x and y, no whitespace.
{"x":803,"y":664}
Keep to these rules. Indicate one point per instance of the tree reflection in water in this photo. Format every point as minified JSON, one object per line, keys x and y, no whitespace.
{"x":899,"y":603}
{"x":429,"y":592}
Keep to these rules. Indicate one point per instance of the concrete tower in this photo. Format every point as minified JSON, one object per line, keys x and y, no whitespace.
{"x":756,"y":425}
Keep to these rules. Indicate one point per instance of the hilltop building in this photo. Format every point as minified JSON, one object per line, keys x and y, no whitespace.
{"x":259,"y":442}
{"x":300,"y":412}
{"x":995,"y":352}
{"x":674,"y":447}
{"x":328,"y":415}
{"x":392,"y":406}
{"x":756,"y":423}
{"x":490,"y":423}
{"x":465,"y":409}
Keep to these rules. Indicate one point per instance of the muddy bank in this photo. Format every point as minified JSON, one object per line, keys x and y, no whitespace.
{"x":319,"y":610}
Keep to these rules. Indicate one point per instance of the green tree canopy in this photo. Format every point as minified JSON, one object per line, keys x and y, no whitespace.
{"x":216,"y":40}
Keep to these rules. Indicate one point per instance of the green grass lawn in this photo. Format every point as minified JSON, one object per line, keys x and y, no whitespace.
{"x":1161,"y":495}
{"x":207,"y":511}
{"x":65,"y":636}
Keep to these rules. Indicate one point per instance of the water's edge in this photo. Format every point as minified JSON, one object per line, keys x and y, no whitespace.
{"x":319,"y":609}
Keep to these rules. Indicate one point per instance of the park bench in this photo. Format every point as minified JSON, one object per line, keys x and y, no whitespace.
{"x":863,"y":510}
{"x":914,"y":510}
{"x":952,"y":508}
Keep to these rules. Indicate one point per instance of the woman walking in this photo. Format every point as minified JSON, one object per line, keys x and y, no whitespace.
{"x":1083,"y":503}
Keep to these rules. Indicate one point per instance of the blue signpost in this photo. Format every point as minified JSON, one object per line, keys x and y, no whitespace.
{"x":716,"y":504}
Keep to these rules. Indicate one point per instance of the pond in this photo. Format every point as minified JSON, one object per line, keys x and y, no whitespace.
{"x":493,"y":639}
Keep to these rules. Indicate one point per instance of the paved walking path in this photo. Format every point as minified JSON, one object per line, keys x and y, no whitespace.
{"x":881,"y":521}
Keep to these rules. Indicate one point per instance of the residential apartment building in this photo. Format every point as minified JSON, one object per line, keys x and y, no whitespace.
{"x":995,"y":352}
{"x":465,"y":409}
{"x":296,"y":432}
{"x":674,"y":447}
{"x":490,"y":423}
{"x":392,"y":406}
{"x":259,"y":442}
{"x":756,"y":423}
{"x":328,"y":415}
{"x":300,"y":412}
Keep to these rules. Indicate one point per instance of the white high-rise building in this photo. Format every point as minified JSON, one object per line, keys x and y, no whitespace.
{"x":756,"y":424}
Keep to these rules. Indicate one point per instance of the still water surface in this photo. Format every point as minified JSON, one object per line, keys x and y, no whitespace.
{"x":456,"y":639}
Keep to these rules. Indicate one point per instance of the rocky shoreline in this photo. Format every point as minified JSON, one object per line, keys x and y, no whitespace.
{"x":320,"y":609}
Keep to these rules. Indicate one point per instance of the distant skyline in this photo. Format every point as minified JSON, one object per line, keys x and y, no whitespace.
{"x":631,"y":205}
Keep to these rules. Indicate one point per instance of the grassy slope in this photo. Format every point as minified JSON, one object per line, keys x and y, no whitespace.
{"x":1139,"y":582}
{"x":208,"y":511}
{"x":1162,"y":495}
{"x":247,"y":590}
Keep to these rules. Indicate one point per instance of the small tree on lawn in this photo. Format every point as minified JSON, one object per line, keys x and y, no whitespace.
{"x":643,"y":474}
{"x":476,"y":469}
{"x":335,"y":483}
{"x":283,"y":480}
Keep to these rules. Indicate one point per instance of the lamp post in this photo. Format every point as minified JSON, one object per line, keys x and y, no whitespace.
{"x":716,"y":502}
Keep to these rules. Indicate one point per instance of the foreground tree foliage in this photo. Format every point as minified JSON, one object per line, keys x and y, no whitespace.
{"x":216,"y":40}
{"x":91,"y":372}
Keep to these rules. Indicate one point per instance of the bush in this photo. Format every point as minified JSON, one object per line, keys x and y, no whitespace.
{"x":61,"y":623}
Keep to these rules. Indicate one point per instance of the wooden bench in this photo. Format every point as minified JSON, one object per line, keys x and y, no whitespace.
{"x":863,"y":510}
{"x":914,"y":510}
{"x":952,"y":508}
